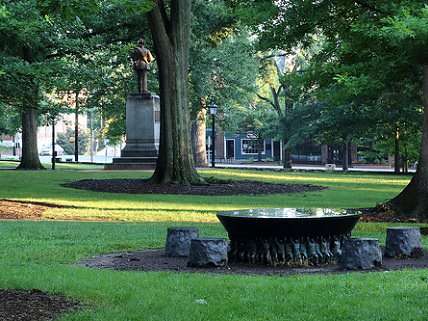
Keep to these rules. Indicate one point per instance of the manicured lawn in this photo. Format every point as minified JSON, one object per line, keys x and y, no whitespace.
{"x":13,"y":164}
{"x":42,"y":254}
{"x":345,"y":190}
{"x":7,"y":164}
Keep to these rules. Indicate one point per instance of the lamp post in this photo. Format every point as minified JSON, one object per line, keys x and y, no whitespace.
{"x":213,"y":112}
{"x":53,"y":143}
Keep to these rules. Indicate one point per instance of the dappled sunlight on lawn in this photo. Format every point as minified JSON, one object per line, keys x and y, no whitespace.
{"x":126,"y":215}
{"x":312,"y":178}
{"x":344,"y":190}
{"x":8,"y":165}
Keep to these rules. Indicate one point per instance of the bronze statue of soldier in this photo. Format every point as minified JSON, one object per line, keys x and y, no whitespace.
{"x":141,"y":60}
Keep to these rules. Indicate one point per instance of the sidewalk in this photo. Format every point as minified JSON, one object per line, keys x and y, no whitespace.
{"x":367,"y":169}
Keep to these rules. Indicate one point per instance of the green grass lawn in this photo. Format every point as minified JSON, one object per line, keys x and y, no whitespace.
{"x":42,"y":254}
{"x":7,"y":164}
{"x":4,"y":164}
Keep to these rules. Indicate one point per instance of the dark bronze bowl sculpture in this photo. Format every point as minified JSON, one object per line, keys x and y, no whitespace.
{"x":287,"y":236}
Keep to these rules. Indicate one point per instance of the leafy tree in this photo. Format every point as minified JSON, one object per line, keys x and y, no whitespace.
{"x":282,"y":77}
{"x":398,"y":128}
{"x":224,"y":73}
{"x":40,"y":40}
{"x":24,"y":35}
{"x":170,"y":24}
{"x":371,"y":47}
{"x":9,"y":120}
{"x":66,"y":141}
{"x":223,"y":67}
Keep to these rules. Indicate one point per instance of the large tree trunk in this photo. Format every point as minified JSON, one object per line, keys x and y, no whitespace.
{"x":286,"y":156}
{"x":345,"y":157}
{"x":171,"y":37}
{"x":350,"y":154}
{"x":199,"y":139}
{"x":405,"y":161}
{"x":30,"y":153}
{"x":413,"y":200}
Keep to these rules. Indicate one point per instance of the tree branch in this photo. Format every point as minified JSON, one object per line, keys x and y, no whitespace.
{"x":270,"y":102}
{"x":265,"y":99}
{"x":368,"y":6}
{"x":276,"y":103}
{"x":158,"y":28}
{"x":166,"y":20}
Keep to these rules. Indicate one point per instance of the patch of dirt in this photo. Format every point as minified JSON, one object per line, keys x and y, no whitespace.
{"x":155,"y":260}
{"x":140,"y":186}
{"x":375,"y":214}
{"x":33,"y":305}
{"x":21,"y":210}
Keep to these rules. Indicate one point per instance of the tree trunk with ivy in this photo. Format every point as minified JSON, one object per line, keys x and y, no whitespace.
{"x":198,"y":137}
{"x":171,"y":37}
{"x":413,"y":200}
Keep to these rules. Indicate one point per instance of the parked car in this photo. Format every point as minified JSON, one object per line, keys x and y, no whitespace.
{"x":46,"y":150}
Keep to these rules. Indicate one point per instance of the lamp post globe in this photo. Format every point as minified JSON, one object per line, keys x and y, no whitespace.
{"x":213,"y":109}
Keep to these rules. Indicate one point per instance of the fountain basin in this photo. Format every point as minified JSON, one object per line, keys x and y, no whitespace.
{"x":288,"y":236}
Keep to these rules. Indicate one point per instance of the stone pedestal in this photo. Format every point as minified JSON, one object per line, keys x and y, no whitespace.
{"x":208,"y":252}
{"x":403,"y":242}
{"x":178,"y":240}
{"x":142,"y":133}
{"x":360,"y":254}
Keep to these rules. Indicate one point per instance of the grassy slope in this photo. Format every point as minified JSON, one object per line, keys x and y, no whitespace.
{"x":40,"y":254}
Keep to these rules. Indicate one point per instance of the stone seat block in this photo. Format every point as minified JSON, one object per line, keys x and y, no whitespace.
{"x":360,"y":254}
{"x":403,"y":242}
{"x":178,"y":240}
{"x":208,"y":252}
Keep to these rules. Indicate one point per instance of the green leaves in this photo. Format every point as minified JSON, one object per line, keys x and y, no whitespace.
{"x":223,"y":65}
{"x":139,"y":7}
{"x":407,"y":23}
{"x":4,"y":13}
{"x":356,"y":85}
{"x":254,"y":12}
{"x":68,"y":9}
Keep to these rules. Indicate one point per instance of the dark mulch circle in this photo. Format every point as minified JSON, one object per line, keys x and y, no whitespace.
{"x":155,"y":260}
{"x":140,"y":186}
{"x":33,"y":305}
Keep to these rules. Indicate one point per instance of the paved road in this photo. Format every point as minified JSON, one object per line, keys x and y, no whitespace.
{"x":373,"y":169}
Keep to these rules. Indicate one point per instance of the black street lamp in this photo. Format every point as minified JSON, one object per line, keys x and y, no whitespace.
{"x":53,"y":144}
{"x":213,"y":112}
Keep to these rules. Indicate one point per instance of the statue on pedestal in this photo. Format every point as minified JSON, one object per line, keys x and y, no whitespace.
{"x":141,"y":60}
{"x":142,"y":121}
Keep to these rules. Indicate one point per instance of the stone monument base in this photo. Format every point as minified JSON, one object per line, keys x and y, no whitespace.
{"x":142,"y":134}
{"x":132,"y":163}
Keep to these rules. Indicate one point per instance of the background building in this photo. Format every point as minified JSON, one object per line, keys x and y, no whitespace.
{"x":246,"y":147}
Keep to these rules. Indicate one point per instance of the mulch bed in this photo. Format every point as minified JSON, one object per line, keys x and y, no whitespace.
{"x":33,"y":305}
{"x":155,"y":260}
{"x":379,"y":214}
{"x":140,"y":186}
{"x":21,"y":210}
